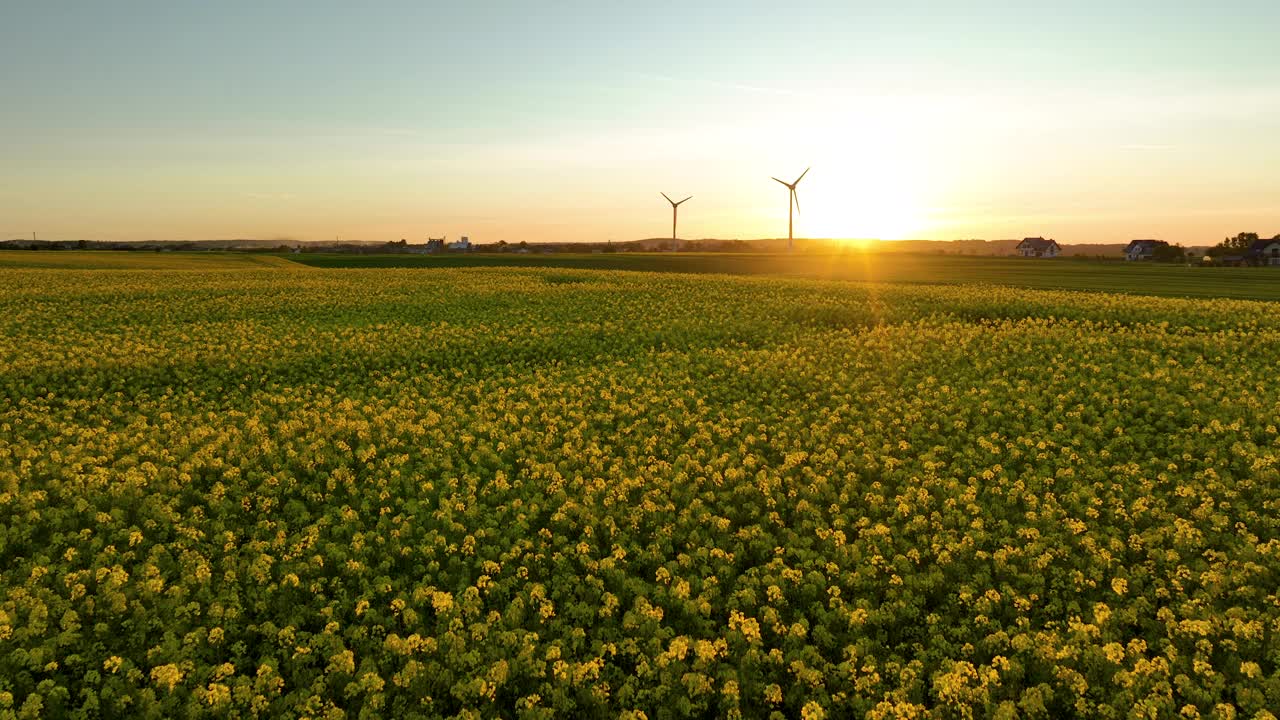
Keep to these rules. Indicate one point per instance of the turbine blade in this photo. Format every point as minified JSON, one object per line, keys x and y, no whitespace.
{"x":806,"y":172}
{"x":781,"y":182}
{"x":797,"y":197}
{"x":665,"y":196}
{"x":682,"y":201}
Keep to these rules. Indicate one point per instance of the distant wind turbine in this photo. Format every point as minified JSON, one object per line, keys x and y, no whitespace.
{"x":793,"y":202}
{"x":675,"y":208}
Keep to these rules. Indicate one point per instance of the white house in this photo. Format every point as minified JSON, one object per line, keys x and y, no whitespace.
{"x":1038,"y":247}
{"x":1264,"y":252}
{"x":464,"y":244}
{"x":1143,"y":249}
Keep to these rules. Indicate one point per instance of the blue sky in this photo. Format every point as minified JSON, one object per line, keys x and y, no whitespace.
{"x":1093,"y":122}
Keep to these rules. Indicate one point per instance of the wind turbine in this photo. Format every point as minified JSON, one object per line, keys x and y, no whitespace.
{"x":675,"y":208}
{"x":793,"y":202}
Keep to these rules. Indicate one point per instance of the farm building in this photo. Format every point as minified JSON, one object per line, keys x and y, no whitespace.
{"x":1264,"y":252}
{"x":1143,"y":249}
{"x":1038,"y":247}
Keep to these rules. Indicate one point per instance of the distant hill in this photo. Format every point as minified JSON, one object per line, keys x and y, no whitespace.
{"x":942,"y":247}
{"x":973,"y":247}
{"x":1110,"y":250}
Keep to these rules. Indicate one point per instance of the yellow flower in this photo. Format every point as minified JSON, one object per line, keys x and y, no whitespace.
{"x":217,"y":694}
{"x":166,"y":676}
{"x":813,"y":711}
{"x":344,"y":662}
{"x":1114,"y":652}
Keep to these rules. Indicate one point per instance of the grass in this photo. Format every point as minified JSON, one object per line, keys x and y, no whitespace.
{"x":117,"y":260}
{"x":1059,"y":274}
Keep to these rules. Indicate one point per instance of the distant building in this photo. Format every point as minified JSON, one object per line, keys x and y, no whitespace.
{"x":435,"y":245}
{"x":1143,"y":249}
{"x":462,"y":245}
{"x":1038,"y":247}
{"x":1263,"y":252}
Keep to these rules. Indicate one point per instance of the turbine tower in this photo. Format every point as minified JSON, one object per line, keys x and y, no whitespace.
{"x":793,"y":203}
{"x":675,"y":209}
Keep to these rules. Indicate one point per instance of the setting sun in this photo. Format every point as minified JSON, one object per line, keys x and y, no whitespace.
{"x":869,"y":184}
{"x":864,"y":210}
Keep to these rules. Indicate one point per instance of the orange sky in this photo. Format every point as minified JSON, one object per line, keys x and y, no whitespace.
{"x":1089,"y":123}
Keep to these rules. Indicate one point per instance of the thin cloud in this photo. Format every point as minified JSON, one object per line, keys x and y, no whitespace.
{"x":396,"y":131}
{"x":758,"y":89}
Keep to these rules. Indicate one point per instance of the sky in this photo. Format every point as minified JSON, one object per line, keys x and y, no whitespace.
{"x":1088,"y":122}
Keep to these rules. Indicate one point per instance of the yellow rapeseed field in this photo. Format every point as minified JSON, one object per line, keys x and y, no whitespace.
{"x":530,"y":493}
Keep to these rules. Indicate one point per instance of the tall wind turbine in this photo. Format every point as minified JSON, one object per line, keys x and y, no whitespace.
{"x":675,"y":208}
{"x":793,"y":203}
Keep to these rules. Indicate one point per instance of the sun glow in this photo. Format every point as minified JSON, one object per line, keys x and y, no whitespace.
{"x":855,"y":210}
{"x":870,"y":179}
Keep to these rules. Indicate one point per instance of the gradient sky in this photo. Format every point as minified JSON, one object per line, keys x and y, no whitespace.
{"x":1084,"y":121}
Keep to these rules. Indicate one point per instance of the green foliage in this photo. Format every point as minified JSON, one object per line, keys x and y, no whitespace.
{"x":1242,"y":241}
{"x":1061,"y":274}
{"x":1169,"y":253}
{"x":522,"y":493}
{"x":1233,"y":245}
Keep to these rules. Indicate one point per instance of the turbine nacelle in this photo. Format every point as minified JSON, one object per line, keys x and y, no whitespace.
{"x":673,"y":202}
{"x":793,"y":185}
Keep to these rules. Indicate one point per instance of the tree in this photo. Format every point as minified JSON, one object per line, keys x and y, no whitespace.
{"x":1234,"y":245}
{"x":1169,"y":253}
